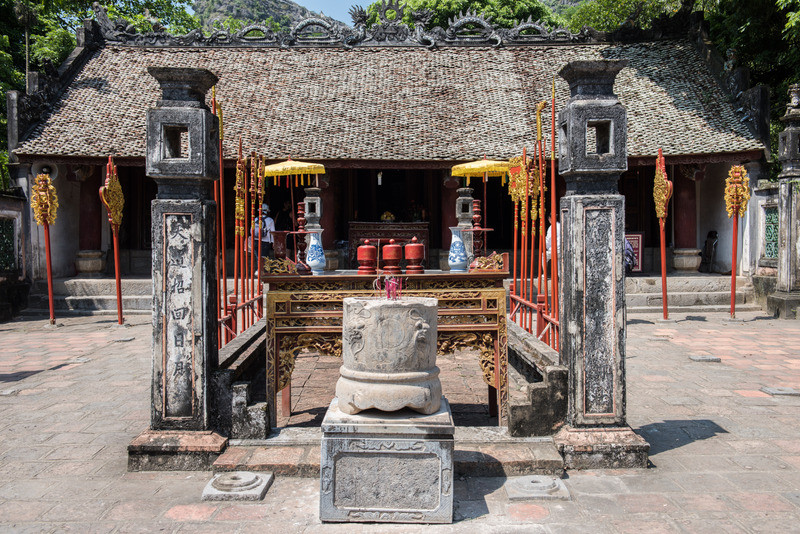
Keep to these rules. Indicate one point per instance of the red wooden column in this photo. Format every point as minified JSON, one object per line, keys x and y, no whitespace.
{"x":91,"y":213}
{"x":328,"y":219}
{"x":686,"y":204}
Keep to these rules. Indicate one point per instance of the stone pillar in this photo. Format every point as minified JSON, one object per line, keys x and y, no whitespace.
{"x":592,"y":155}
{"x":182,"y":157}
{"x":464,"y":212}
{"x":686,"y":254}
{"x":786,"y":300}
{"x":448,"y":199}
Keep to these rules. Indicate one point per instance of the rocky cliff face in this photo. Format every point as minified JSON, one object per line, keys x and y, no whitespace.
{"x":284,"y":12}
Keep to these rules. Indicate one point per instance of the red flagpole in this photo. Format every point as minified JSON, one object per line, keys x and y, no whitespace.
{"x":663,"y":270}
{"x":49,"y":271}
{"x":553,"y":210}
{"x":733,"y":260}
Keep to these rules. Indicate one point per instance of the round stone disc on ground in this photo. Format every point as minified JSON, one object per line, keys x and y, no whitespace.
{"x":238,"y":486}
{"x":534,"y":487}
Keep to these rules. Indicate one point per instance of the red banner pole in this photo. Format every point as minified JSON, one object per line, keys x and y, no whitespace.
{"x":524,"y":250}
{"x":663,"y":270}
{"x":49,"y":271}
{"x":115,"y":232}
{"x":515,"y":288}
{"x":553,"y":209}
{"x":733,"y":260}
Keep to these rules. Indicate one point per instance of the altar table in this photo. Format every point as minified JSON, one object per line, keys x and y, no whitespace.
{"x":305,"y":312}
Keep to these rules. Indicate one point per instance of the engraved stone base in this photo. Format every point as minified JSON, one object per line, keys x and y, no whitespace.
{"x":387,"y":467}
{"x":602,"y":448}
{"x":238,"y":486}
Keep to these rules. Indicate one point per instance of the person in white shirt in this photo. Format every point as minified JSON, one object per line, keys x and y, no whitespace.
{"x":548,"y":239}
{"x":263,"y":229}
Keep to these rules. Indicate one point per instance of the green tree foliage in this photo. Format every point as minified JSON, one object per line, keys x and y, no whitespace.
{"x":52,"y":36}
{"x":231,"y":25}
{"x":54,"y":45}
{"x":765,"y":35}
{"x":505,"y":13}
{"x":608,"y":15}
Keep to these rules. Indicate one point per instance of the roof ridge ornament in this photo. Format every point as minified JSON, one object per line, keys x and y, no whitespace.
{"x":468,"y":28}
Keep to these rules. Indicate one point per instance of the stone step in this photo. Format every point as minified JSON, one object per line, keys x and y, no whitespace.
{"x":690,"y":283}
{"x":479,"y":451}
{"x":693,"y":309}
{"x":688,"y":298}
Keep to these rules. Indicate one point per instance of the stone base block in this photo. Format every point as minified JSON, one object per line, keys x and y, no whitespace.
{"x":174,"y":450}
{"x":686,"y":259}
{"x":238,"y":486}
{"x":383,"y":467}
{"x":784,"y":304}
{"x":90,"y":262}
{"x":601,"y":448}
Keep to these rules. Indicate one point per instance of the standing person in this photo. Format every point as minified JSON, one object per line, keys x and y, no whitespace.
{"x":283,"y":221}
{"x":263,"y":230}
{"x":548,"y":239}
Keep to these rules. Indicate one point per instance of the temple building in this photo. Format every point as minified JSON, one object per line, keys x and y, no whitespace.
{"x":389,"y":110}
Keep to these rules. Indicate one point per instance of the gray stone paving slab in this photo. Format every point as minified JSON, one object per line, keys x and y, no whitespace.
{"x":733,"y":455}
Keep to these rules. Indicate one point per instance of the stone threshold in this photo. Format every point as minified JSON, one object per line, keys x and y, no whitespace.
{"x":479,"y":451}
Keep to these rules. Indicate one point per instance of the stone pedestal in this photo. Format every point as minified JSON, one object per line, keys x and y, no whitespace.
{"x":464,"y":212}
{"x":686,"y":259}
{"x":394,"y":465}
{"x":387,"y":467}
{"x":593,"y":154}
{"x":90,"y":262}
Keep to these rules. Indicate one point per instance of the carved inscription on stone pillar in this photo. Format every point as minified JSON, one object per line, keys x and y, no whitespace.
{"x":600,"y":333}
{"x":178,"y":344}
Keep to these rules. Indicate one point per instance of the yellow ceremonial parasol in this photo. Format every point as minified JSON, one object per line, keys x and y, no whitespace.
{"x":486,"y":168}
{"x":294,"y":168}
{"x":291,"y":167}
{"x":482,"y":167}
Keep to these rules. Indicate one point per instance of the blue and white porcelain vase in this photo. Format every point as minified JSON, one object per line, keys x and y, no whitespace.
{"x":457,"y":260}
{"x":315,"y":258}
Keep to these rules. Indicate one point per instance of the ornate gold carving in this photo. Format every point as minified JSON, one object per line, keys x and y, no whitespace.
{"x":492,"y":262}
{"x":278,"y":266}
{"x":516,"y":187}
{"x":44,"y":200}
{"x":472,"y":318}
{"x":308,"y":322}
{"x":662,"y":188}
{"x":737,"y":191}
{"x":448,"y":342}
{"x":239,"y":209}
{"x":292,"y":344}
{"x":111,"y":195}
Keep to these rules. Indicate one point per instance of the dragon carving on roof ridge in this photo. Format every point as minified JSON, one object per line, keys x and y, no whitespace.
{"x":468,"y":28}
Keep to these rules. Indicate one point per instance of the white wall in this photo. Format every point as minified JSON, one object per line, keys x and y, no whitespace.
{"x":63,"y":233}
{"x":712,"y":216}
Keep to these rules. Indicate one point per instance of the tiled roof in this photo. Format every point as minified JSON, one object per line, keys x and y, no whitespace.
{"x":455,"y":103}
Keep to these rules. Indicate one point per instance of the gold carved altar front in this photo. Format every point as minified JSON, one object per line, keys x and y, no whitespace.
{"x":305,"y":312}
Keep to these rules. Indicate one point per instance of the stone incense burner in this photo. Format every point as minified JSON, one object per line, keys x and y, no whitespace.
{"x":389,"y":355}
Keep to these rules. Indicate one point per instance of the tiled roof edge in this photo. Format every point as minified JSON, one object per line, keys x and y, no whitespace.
{"x":25,"y":110}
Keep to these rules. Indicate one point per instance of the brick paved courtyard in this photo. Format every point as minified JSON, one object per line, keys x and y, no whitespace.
{"x":725,"y":455}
